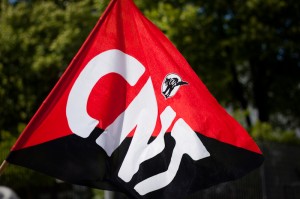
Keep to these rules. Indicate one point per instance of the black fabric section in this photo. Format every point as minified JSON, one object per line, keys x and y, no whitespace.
{"x":225,"y":163}
{"x":82,"y":161}
{"x":228,"y":159}
{"x":71,"y":158}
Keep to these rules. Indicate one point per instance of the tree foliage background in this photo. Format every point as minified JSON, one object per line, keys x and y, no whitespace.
{"x":246,"y":52}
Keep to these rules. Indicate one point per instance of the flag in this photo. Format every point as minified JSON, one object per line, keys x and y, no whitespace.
{"x":130,"y":115}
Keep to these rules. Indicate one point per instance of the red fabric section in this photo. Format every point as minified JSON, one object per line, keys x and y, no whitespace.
{"x":123,"y":27}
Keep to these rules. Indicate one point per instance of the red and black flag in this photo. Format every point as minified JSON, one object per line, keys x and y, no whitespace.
{"x":129,"y":114}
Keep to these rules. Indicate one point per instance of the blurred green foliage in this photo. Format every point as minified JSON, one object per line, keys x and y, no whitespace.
{"x":246,"y":52}
{"x":98,"y":194}
{"x":264,"y":131}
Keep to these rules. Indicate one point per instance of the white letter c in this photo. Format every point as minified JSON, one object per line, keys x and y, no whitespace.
{"x":111,"y":61}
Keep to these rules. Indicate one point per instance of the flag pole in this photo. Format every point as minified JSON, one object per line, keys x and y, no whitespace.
{"x":108,"y":194}
{"x":3,"y":166}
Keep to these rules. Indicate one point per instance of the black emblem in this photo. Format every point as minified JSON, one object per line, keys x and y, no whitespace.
{"x":171,"y":84}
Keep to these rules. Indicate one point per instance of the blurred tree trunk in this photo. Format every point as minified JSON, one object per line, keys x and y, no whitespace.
{"x":239,"y":93}
{"x":260,"y":89}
